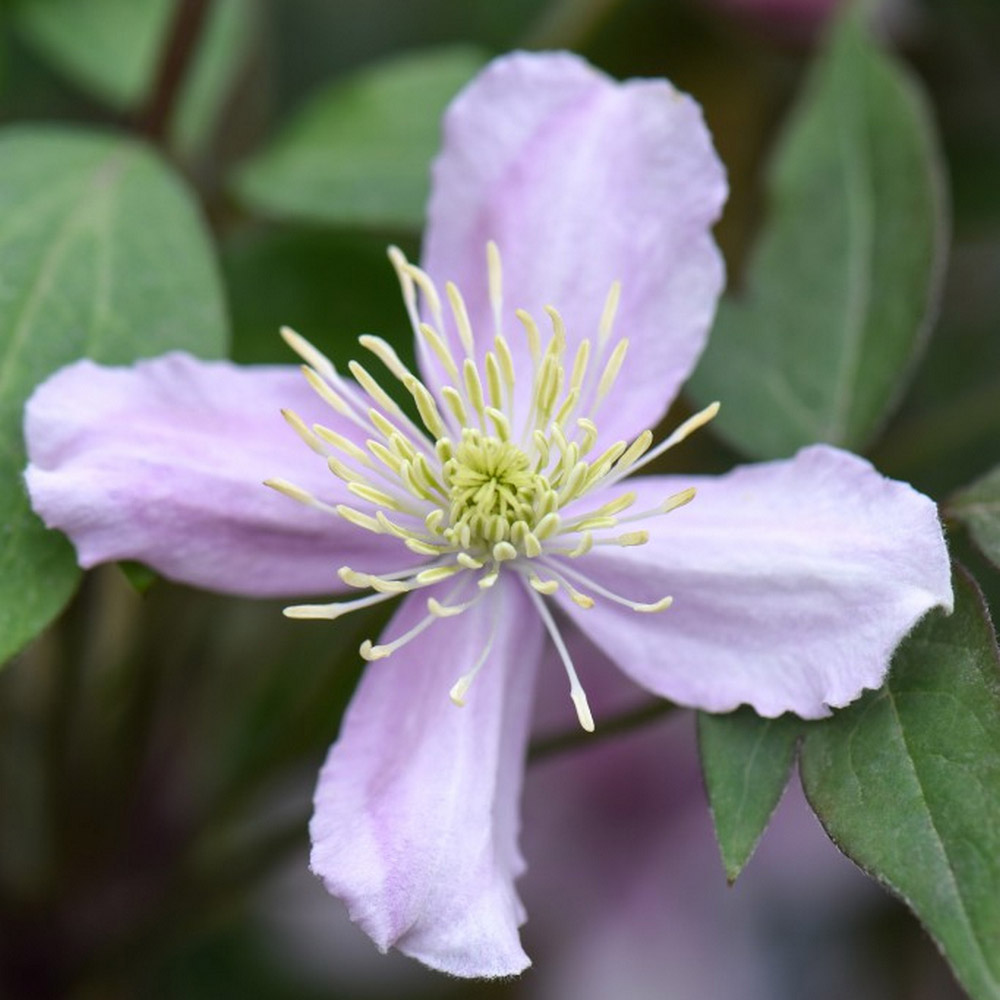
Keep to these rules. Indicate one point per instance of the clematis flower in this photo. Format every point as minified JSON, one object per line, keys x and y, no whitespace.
{"x":498,"y":506}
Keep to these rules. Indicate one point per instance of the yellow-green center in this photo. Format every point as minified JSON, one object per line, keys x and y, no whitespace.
{"x":495,"y":495}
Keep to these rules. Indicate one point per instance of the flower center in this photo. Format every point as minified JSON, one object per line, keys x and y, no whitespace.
{"x":495,"y":495}
{"x":495,"y":476}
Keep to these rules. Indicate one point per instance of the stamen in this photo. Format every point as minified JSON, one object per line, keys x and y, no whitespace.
{"x":589,"y":429}
{"x":346,"y":445}
{"x":400,"y":263}
{"x":506,"y":366}
{"x":493,"y":380}
{"x":426,"y":407}
{"x":462,"y":324}
{"x":468,"y":488}
{"x":474,"y":390}
{"x":547,"y":587}
{"x":450,"y":610}
{"x":610,"y":373}
{"x":661,"y":605}
{"x":329,"y":612}
{"x":375,"y":496}
{"x":687,"y":428}
{"x":581,"y":600}
{"x":299,"y":426}
{"x":387,"y":355}
{"x":429,"y":292}
{"x":580,"y":366}
{"x":608,"y":315}
{"x":298,"y":494}
{"x":440,"y":348}
{"x":372,"y":652}
{"x":576,"y":692}
{"x":356,"y":517}
{"x":353,"y":578}
{"x":495,"y":272}
{"x":461,"y":687}
{"x":378,"y":395}
{"x":455,"y":403}
{"x":310,"y":355}
{"x":626,"y":539}
{"x":671,"y":503}
{"x":380,"y":652}
{"x":331,"y":397}
{"x":532,"y":334}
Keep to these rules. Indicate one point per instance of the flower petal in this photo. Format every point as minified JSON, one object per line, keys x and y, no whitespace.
{"x":793,"y":583}
{"x":583,"y":181}
{"x":164,"y":463}
{"x":416,"y":816}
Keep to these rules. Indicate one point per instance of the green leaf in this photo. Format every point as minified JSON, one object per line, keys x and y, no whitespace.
{"x":102,"y":254}
{"x":847,"y":270}
{"x":745,"y":761}
{"x":358,"y":153}
{"x":108,"y":46}
{"x":330,"y":286}
{"x":978,"y":508}
{"x":907,"y":783}
{"x":112,"y":48}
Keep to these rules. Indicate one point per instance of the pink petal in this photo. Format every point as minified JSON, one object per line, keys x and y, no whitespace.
{"x":416,"y":816}
{"x":793,"y":583}
{"x":164,"y":463}
{"x":582,"y":181}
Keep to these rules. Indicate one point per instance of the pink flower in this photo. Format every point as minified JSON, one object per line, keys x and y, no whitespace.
{"x":793,"y":580}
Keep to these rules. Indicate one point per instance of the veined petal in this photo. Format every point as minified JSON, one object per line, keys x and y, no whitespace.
{"x":793,"y":582}
{"x":583,"y":181}
{"x":164,"y":463}
{"x":416,"y":817}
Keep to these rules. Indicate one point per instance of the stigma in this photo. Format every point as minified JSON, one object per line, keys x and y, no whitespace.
{"x":499,"y":471}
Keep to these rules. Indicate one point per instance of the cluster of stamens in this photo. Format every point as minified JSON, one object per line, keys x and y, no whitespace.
{"x":493,"y":479}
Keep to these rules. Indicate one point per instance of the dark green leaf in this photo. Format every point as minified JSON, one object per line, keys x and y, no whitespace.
{"x":358,"y":153}
{"x":745,"y":761}
{"x":907,"y":783}
{"x":108,"y":46}
{"x":112,"y":48}
{"x":330,"y":286}
{"x":101,"y":254}
{"x":978,"y":508}
{"x":847,"y":270}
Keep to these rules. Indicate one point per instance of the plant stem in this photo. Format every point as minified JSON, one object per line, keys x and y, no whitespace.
{"x":189,"y":18}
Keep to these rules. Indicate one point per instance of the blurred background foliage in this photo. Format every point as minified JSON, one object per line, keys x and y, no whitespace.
{"x":158,"y":746}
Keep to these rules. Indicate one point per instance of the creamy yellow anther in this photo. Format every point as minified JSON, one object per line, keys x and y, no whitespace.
{"x":478,"y":488}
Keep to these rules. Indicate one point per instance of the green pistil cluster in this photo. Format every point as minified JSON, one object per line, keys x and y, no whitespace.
{"x":496,"y":495}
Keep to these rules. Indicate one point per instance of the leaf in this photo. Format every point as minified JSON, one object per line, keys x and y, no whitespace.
{"x":330,"y":286}
{"x":102,"y":254}
{"x":847,"y":271}
{"x":906,"y":782}
{"x":978,"y":508}
{"x":357,"y":154}
{"x":745,"y":760}
{"x":112,"y":48}
{"x":108,"y":46}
